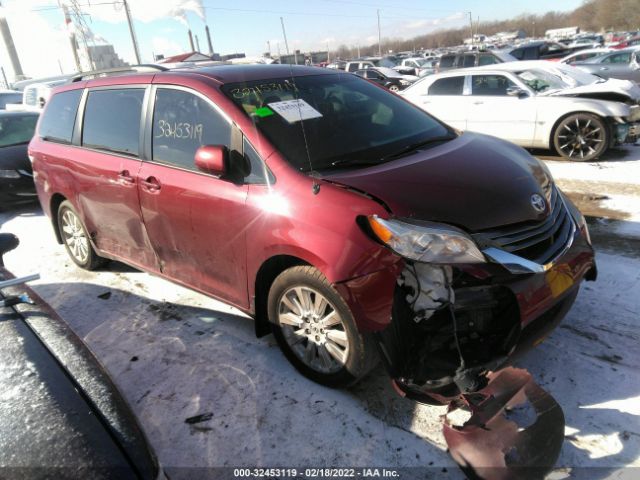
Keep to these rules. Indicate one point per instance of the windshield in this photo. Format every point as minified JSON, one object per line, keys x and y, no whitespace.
{"x":343,"y":120}
{"x":16,"y":129}
{"x":540,"y":81}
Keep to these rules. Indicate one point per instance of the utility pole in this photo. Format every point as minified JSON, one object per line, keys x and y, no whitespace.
{"x":11,"y":48}
{"x":284,"y":34}
{"x":269,"y":48}
{"x":379,"y":36}
{"x":132,"y":31}
{"x":471,"y":23}
{"x":358,"y":46}
{"x":328,"y":54}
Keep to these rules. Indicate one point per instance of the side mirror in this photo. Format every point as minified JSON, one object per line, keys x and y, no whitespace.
{"x":516,"y":92}
{"x":212,"y":159}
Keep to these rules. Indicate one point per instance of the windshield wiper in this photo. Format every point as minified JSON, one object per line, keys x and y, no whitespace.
{"x":414,"y":147}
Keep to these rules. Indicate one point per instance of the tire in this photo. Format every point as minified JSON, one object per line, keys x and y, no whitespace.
{"x":333,"y":353}
{"x":394,"y":88}
{"x":581,"y":137}
{"x":75,"y":238}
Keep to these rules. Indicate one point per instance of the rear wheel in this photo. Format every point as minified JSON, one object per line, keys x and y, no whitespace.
{"x":316,"y":331}
{"x":394,"y":88}
{"x":581,"y":137}
{"x":76,"y":239}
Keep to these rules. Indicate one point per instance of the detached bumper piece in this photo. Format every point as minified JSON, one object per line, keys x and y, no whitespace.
{"x":516,"y":429}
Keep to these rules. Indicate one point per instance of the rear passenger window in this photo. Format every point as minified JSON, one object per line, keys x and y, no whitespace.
{"x":182,"y":123}
{"x":111,"y":120}
{"x":447,"y":86}
{"x":59,"y":117}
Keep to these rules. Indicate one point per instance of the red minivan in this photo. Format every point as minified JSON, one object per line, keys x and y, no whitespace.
{"x":351,"y":224}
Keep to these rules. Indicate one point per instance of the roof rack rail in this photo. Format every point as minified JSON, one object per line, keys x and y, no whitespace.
{"x":106,"y":72}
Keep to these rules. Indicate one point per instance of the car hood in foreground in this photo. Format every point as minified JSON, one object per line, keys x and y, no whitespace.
{"x":474,"y":182}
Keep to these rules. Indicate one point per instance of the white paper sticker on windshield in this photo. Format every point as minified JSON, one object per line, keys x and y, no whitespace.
{"x":295,"y":110}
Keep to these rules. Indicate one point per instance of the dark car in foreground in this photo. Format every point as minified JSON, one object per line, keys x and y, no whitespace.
{"x":16,"y":177}
{"x":344,"y":219}
{"x":61,"y":416}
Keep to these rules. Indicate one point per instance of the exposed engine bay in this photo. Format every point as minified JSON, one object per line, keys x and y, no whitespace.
{"x":447,"y":331}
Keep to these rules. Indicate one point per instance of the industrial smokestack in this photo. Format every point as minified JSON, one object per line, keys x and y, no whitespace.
{"x":197,"y":44}
{"x":11,"y":48}
{"x":206,"y":29}
{"x":193,"y":49}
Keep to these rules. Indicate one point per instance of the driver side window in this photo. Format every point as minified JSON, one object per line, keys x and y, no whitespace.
{"x":182,"y":123}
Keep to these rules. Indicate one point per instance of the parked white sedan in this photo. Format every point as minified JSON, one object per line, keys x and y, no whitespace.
{"x":530,"y":106}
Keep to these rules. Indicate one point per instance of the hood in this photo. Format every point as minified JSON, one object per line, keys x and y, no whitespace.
{"x":410,"y":78}
{"x":611,"y":89}
{"x":474,"y":182}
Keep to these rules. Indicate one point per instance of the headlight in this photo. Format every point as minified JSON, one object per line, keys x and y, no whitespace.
{"x":405,"y":82}
{"x":435,"y":243}
{"x":9,"y":174}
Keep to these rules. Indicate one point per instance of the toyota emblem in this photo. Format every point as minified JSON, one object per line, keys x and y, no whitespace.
{"x":538,"y":203}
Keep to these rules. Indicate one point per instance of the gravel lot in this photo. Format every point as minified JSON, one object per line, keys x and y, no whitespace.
{"x":176,"y":354}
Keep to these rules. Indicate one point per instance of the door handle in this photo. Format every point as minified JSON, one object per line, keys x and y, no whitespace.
{"x":478,"y":103}
{"x":125,"y":177}
{"x":151,"y":184}
{"x":604,"y":68}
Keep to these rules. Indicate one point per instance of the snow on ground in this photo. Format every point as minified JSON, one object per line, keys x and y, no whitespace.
{"x":176,"y":354}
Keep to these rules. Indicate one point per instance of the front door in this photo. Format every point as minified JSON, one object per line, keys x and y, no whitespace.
{"x":493,"y":112}
{"x":196,"y":222}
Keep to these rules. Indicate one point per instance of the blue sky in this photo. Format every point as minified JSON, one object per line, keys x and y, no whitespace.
{"x":247,"y":25}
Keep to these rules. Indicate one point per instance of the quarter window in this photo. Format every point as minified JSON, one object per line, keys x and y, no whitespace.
{"x":59,"y":117}
{"x":490,"y":85}
{"x":182,"y":123}
{"x":112,"y":120}
{"x":447,"y":86}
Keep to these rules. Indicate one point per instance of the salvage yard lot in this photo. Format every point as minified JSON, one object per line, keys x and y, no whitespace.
{"x":177,"y":354}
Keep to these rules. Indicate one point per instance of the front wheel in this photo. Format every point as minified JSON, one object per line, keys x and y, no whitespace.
{"x":394,"y":88}
{"x":581,"y":137}
{"x":316,"y":331}
{"x":76,"y":239}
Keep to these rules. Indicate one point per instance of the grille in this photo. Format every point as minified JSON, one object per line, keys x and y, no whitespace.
{"x":31,"y":96}
{"x":540,"y":242}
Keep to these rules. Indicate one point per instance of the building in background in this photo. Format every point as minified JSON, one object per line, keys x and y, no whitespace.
{"x":105,"y":56}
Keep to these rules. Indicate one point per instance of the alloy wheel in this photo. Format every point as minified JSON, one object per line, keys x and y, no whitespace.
{"x":313,"y":329}
{"x":581,"y":137}
{"x":75,"y":237}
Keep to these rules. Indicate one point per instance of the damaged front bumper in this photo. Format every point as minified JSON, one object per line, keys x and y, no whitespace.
{"x":442,"y":328}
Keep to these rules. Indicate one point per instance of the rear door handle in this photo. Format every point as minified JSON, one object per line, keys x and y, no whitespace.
{"x":125,"y":177}
{"x":478,"y":103}
{"x":151,"y":184}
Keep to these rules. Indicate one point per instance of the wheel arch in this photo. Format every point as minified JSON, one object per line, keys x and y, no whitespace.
{"x":56,"y":201}
{"x":267,"y":273}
